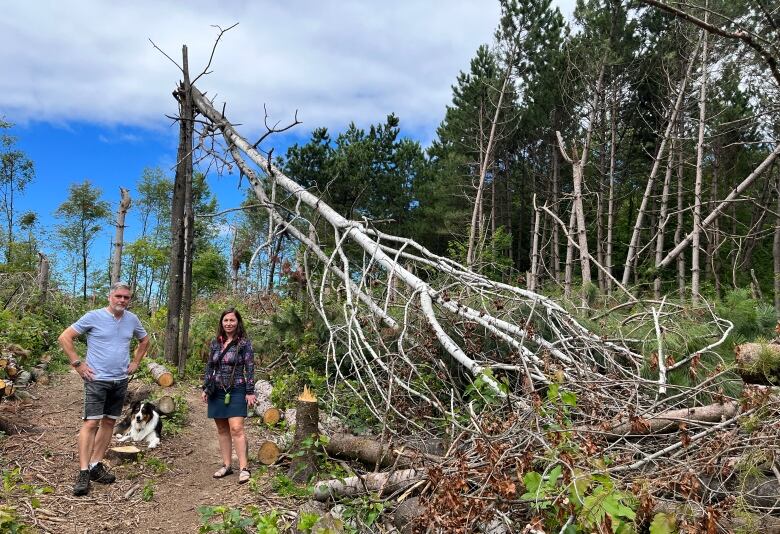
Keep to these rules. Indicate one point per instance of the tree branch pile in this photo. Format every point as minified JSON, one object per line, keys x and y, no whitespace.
{"x":547,"y":422}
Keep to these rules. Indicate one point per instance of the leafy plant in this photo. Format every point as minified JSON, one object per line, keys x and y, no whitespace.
{"x":223,"y":519}
{"x":147,"y":493}
{"x":9,"y":522}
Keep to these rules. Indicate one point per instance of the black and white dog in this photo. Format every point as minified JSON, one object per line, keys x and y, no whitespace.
{"x":145,"y":424}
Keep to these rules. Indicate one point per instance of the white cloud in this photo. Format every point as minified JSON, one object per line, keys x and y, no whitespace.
{"x":333,"y":61}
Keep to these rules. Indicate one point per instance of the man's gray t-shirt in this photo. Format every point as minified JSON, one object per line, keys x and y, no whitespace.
{"x":108,"y":341}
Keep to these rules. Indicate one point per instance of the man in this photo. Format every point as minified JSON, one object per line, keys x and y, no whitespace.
{"x":105,"y":371}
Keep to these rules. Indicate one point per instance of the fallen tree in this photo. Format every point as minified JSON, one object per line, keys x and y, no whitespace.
{"x":510,"y":375}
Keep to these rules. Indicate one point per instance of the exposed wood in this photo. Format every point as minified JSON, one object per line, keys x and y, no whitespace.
{"x":272,"y":416}
{"x":304,"y":462}
{"x":127,"y":453}
{"x":161,"y":375}
{"x":379,"y":482}
{"x":269,"y":453}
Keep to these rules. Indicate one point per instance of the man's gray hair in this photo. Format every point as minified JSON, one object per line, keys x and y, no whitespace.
{"x":119,"y":285}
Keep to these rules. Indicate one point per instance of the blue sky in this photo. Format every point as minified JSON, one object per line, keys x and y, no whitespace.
{"x":88,"y":93}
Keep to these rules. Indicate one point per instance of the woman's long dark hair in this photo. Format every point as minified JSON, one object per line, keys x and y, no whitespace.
{"x":240,"y":332}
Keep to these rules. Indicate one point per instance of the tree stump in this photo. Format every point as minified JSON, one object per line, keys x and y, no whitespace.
{"x":407,"y":514}
{"x":128,"y":453}
{"x":758,"y":363}
{"x":166,"y":405}
{"x":161,"y":375}
{"x":304,"y":462}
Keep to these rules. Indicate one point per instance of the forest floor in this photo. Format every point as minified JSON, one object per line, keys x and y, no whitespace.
{"x":171,"y":482}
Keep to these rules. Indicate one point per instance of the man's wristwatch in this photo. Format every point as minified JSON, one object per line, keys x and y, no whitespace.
{"x":76,"y":363}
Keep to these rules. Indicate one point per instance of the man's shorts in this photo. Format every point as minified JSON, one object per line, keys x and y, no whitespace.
{"x":104,"y":398}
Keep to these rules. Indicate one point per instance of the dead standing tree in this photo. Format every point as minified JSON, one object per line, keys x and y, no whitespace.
{"x":121,"y":213}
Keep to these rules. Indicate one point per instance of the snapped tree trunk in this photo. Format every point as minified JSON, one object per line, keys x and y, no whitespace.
{"x":304,"y":462}
{"x":121,"y":213}
{"x":183,"y":173}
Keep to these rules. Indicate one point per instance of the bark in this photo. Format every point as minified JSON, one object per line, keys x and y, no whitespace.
{"x":304,"y":462}
{"x":369,"y":451}
{"x":166,"y":405}
{"x":534,"y":275}
{"x":697,"y":230}
{"x":611,"y":199}
{"x":161,"y":375}
{"x":670,"y":421}
{"x":659,"y":243}
{"x":121,"y":213}
{"x":679,"y":227}
{"x":43,"y":278}
{"x":189,"y":251}
{"x":183,"y":167}
{"x":568,"y":271}
{"x":776,"y":248}
{"x":556,"y":245}
{"x":371,"y":482}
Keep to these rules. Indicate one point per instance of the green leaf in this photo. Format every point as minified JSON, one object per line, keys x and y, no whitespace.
{"x":569,"y":398}
{"x":532,"y":481}
{"x":663,"y":524}
{"x":555,"y":474}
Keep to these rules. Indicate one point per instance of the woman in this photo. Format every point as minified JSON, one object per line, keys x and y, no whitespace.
{"x":229,"y":386}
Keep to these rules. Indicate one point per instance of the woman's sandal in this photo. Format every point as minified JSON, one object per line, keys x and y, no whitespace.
{"x":223,"y":471}
{"x":244,"y":475}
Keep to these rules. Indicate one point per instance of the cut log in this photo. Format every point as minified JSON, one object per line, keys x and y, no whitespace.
{"x":758,"y":363}
{"x":9,"y":388}
{"x":166,"y":405}
{"x":380,"y":482}
{"x":369,"y":451}
{"x":670,"y":421}
{"x":161,"y":375}
{"x":304,"y":462}
{"x":11,"y":371}
{"x":128,"y":453}
{"x":269,"y":453}
{"x":272,"y":416}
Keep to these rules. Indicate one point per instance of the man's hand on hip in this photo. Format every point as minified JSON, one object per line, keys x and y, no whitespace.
{"x":85,"y":372}
{"x":132,"y":368}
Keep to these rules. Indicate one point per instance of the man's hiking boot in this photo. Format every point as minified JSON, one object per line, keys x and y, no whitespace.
{"x":82,"y":483}
{"x":101,"y":475}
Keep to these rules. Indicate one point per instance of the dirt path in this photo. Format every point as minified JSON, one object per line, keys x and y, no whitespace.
{"x":176,"y":475}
